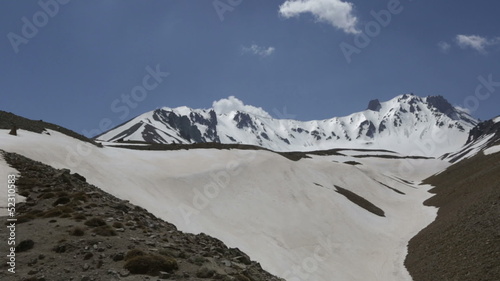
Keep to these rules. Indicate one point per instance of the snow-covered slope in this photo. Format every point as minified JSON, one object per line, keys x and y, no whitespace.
{"x":407,"y":124}
{"x":299,"y":219}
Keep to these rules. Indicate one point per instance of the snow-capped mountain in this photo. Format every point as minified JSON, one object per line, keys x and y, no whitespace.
{"x":407,"y":124}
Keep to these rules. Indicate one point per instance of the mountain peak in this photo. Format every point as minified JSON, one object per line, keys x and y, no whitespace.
{"x":441,"y":104}
{"x":374,"y":105}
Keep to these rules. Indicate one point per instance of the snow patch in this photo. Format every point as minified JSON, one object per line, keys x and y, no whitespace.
{"x":492,"y":150}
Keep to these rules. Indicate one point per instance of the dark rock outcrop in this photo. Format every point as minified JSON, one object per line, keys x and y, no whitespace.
{"x":374,"y":105}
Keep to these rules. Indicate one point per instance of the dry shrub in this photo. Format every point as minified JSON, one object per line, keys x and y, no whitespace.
{"x":95,"y":222}
{"x":150,"y":264}
{"x":134,"y":253}
{"x":77,"y":231}
{"x":79,"y":217}
{"x":104,"y":230}
{"x":61,"y":201}
{"x":117,"y":224}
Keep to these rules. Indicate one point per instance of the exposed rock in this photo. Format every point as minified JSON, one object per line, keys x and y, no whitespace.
{"x":374,"y":105}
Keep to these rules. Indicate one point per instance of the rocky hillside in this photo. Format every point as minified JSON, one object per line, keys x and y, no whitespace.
{"x":463,"y":243}
{"x":483,"y":136}
{"x":9,"y":121}
{"x":70,"y":230}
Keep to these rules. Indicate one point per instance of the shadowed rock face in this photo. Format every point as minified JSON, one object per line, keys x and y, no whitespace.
{"x":374,"y":105}
{"x":485,"y":128}
{"x":441,"y":104}
{"x":243,"y":120}
{"x":367,"y":128}
{"x":187,"y":126}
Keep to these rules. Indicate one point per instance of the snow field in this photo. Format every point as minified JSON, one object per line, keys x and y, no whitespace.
{"x":284,"y":214}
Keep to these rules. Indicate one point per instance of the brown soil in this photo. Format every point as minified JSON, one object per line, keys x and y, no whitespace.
{"x":463,"y":243}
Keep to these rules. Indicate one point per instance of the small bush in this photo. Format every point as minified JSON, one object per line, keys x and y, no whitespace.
{"x":150,"y":264}
{"x":134,"y":253}
{"x":61,"y":201}
{"x":204,"y":272}
{"x":104,"y":230}
{"x":77,"y":231}
{"x":25,"y":218}
{"x":25,"y":245}
{"x":25,"y":193}
{"x":57,"y":211}
{"x":167,"y":253}
{"x":47,"y":195}
{"x":62,"y":194}
{"x":59,"y":249}
{"x":94,"y":222}
{"x":79,"y":217}
{"x":117,"y":224}
{"x":241,"y":277}
{"x":198,"y":260}
{"x":27,"y":182}
{"x":80,"y":196}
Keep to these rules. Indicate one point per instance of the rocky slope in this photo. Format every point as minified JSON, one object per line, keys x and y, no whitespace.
{"x":9,"y":121}
{"x":463,"y":243}
{"x":483,"y":136}
{"x":70,"y":230}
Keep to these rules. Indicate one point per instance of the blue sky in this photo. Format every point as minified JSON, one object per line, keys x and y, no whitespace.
{"x":71,"y":62}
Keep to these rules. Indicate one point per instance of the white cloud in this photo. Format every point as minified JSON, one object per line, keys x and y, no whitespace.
{"x":444,"y":46}
{"x":335,"y":12}
{"x":258,"y":50}
{"x":476,"y":42}
{"x":225,"y":106}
